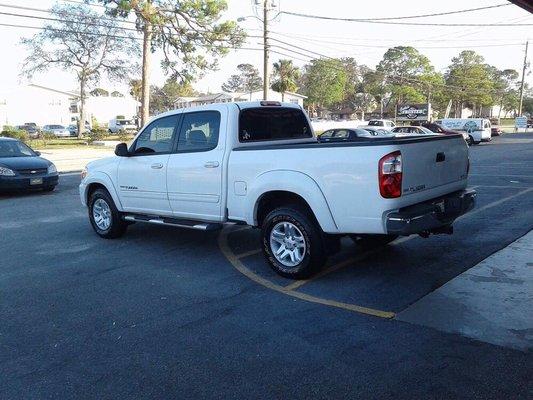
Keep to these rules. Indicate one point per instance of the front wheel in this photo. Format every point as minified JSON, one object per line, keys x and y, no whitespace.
{"x":293,"y":243}
{"x":105,"y":219}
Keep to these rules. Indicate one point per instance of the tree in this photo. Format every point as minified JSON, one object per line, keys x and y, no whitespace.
{"x":188,"y":33}
{"x":285,"y":76}
{"x":324,"y":82}
{"x":506,"y":85}
{"x":164,"y":98}
{"x":407,"y":75}
{"x":136,"y":89}
{"x":469,"y":81}
{"x":247,"y":80}
{"x":82,"y":42}
{"x":98,"y":92}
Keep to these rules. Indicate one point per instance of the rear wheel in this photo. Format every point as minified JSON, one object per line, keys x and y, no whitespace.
{"x":293,"y":243}
{"x":105,"y":219}
{"x":470,"y":141}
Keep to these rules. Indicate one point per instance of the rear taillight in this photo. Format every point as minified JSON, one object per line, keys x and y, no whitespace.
{"x":390,"y":175}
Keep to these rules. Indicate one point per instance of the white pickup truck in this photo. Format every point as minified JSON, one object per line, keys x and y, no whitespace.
{"x":260,"y":164}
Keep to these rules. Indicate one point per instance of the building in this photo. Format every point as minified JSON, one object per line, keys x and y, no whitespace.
{"x":222,"y":97}
{"x":44,"y":105}
{"x":34,"y":103}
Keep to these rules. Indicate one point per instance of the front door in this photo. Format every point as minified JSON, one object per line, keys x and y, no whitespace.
{"x":194,"y":176}
{"x":142,"y":176}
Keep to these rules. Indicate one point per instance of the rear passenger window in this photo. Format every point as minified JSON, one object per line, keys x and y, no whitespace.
{"x":272,"y":123}
{"x":199,"y":131}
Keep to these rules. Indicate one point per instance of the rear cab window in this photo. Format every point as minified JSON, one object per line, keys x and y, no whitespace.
{"x":273,"y":123}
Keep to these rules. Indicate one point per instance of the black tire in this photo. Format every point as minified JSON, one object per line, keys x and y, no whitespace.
{"x":315,"y":254}
{"x":470,"y":141}
{"x":117,"y":227}
{"x":373,"y":240}
{"x":49,"y":188}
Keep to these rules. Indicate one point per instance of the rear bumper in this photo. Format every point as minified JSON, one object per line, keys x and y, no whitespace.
{"x":430,"y":215}
{"x":23,"y":183}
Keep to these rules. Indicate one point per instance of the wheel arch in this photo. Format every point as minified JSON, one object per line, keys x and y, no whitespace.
{"x":103,"y":181}
{"x":277,"y":188}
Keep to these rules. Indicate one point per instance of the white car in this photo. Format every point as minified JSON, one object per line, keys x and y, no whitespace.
{"x":382,"y":123}
{"x":411,"y":130}
{"x":477,"y":129}
{"x":117,"y":125}
{"x":57,"y":130}
{"x":260,"y":164}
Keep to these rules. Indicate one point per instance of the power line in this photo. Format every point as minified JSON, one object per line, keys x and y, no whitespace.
{"x":388,"y":22}
{"x":49,"y":11}
{"x":438,"y":14}
{"x":65,"y":20}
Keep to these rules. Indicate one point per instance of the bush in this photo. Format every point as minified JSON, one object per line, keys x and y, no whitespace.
{"x":97,"y":134}
{"x":15,"y":133}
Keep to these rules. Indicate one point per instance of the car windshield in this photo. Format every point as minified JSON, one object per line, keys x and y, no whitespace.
{"x":375,"y":123}
{"x":124,"y":122}
{"x":13,"y":148}
{"x":57,"y":127}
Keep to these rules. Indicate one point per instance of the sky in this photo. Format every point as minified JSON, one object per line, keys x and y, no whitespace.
{"x":502,"y":47}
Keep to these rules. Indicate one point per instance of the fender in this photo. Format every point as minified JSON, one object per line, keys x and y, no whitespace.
{"x":103,"y":179}
{"x":295,"y":182}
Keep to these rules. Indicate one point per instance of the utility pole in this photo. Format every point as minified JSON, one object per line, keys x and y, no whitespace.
{"x":265,"y":50}
{"x":522,"y":83}
{"x":145,"y":92}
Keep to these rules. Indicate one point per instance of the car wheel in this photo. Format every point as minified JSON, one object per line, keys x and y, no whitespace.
{"x":49,"y":188}
{"x":373,"y":240}
{"x":105,"y":219}
{"x":293,"y":243}
{"x":470,"y":141}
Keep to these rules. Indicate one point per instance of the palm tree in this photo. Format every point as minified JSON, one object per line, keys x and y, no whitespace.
{"x":285,"y":75}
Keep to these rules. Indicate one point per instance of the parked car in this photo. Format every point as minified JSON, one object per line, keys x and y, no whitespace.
{"x":73,"y":128}
{"x":477,"y":129}
{"x":32,"y":128}
{"x":383,"y":123}
{"x":412,"y":130}
{"x":259,"y":163}
{"x":376,"y":130}
{"x":23,"y":168}
{"x":57,"y":130}
{"x":495,"y":131}
{"x":434,"y":127}
{"x":117,"y":125}
{"x":340,"y":135}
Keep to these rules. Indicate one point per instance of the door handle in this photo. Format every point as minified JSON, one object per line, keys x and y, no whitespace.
{"x":157,"y":166}
{"x":211,"y":164}
{"x":440,"y":157}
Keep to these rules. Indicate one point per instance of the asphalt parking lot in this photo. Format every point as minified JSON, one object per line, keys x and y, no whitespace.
{"x":168,"y":313}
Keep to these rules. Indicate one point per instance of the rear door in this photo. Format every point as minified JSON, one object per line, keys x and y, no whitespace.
{"x":142,"y":176}
{"x":428,"y":164}
{"x":194,"y":176}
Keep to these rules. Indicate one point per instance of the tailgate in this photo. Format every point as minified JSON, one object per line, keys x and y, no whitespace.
{"x":432,"y":163}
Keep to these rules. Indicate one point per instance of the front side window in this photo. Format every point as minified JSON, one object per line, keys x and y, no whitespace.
{"x":157,"y":137}
{"x":273,"y":123}
{"x":199,"y":131}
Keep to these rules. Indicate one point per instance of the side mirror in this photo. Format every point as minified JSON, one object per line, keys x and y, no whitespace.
{"x":37,"y":153}
{"x":122,"y":150}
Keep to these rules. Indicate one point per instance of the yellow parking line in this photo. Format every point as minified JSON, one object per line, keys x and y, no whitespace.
{"x":290,"y":289}
{"x":248,"y":253}
{"x":239,"y":266}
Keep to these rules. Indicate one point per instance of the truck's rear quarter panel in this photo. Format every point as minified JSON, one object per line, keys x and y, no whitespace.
{"x":347,"y":176}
